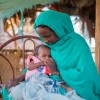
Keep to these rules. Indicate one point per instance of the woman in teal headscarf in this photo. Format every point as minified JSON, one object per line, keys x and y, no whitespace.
{"x":70,"y":52}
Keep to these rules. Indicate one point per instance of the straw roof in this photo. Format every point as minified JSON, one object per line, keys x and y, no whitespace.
{"x":85,"y":9}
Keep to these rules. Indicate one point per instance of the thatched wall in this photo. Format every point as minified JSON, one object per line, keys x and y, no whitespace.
{"x":5,"y":68}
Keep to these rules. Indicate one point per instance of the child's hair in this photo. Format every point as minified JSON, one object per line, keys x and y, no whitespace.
{"x":36,"y":52}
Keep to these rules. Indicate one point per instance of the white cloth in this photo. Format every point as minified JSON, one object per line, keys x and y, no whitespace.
{"x":35,"y":88}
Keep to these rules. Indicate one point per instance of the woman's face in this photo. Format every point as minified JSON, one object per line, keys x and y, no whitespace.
{"x":48,"y":35}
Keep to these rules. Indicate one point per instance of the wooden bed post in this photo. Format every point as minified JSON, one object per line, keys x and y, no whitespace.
{"x":97,"y":35}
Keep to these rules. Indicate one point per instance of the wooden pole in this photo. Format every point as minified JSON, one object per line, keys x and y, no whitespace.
{"x":13,"y":31}
{"x":97,"y":35}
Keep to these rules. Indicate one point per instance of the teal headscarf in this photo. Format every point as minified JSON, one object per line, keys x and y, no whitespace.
{"x":72,"y":55}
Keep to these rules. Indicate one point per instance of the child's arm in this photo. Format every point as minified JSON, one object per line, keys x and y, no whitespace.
{"x":33,"y":65}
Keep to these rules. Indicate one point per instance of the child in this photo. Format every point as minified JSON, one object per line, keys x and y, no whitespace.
{"x":37,"y":62}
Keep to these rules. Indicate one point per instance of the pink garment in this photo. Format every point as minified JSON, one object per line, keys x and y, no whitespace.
{"x":42,"y":69}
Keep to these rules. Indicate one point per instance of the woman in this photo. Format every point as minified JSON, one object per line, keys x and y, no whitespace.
{"x":70,"y":52}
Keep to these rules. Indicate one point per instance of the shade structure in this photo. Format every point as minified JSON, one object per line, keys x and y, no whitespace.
{"x":10,"y":7}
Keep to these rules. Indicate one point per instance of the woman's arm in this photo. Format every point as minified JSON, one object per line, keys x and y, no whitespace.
{"x":52,"y":66}
{"x":55,"y":74}
{"x":15,"y":81}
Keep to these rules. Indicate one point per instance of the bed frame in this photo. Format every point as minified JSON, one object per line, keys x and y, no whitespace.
{"x":26,"y":37}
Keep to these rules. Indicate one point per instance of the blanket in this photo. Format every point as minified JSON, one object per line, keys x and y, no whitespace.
{"x":40,"y":87}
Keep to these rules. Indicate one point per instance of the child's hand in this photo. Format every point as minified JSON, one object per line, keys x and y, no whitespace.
{"x":30,"y":64}
{"x":51,"y":65}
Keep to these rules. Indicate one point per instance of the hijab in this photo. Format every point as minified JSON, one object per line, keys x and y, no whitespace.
{"x":72,"y":55}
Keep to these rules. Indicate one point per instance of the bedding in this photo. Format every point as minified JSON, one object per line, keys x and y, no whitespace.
{"x":40,"y":87}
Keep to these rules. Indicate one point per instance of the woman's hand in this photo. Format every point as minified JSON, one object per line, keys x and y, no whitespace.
{"x":51,"y":65}
{"x":11,"y":83}
{"x":66,"y":87}
{"x":14,"y":82}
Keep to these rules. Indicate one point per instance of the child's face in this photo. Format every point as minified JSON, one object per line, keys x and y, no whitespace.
{"x":43,"y":53}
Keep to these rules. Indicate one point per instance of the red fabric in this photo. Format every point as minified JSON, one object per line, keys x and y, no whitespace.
{"x":47,"y":71}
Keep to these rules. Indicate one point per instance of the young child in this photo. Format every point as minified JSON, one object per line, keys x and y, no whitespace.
{"x":36,"y":63}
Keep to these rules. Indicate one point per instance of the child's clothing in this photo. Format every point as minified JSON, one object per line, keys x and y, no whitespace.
{"x":42,"y":69}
